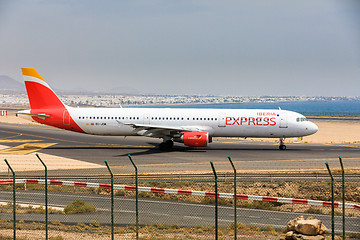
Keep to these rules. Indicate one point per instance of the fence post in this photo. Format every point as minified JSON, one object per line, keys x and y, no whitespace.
{"x":332,"y":203}
{"x":14,"y":198}
{"x":216,"y":201}
{"x":343,"y":195}
{"x":112,"y":200}
{"x":46,"y":198}
{"x":137,"y":197}
{"x":235,"y":197}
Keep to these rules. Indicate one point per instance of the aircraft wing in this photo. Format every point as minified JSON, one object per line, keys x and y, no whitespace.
{"x":157,"y":131}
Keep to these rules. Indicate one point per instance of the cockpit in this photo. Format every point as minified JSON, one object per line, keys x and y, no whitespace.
{"x":301,"y":119}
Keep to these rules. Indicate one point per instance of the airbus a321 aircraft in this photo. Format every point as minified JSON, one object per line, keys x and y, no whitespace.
{"x":192,"y":127}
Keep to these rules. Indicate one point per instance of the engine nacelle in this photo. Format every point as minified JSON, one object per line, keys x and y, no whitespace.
{"x":194,"y":139}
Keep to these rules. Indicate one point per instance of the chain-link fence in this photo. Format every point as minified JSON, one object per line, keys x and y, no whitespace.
{"x":172,"y":206}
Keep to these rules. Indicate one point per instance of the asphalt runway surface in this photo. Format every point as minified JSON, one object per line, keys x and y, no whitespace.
{"x":153,"y":211}
{"x":248,"y":156}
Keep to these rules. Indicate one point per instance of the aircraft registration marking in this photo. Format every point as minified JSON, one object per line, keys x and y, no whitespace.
{"x":26,"y":148}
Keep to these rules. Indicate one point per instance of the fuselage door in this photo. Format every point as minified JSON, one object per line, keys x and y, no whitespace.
{"x":283,"y":120}
{"x":221,"y":119}
{"x":146,"y":119}
{"x":66,"y":117}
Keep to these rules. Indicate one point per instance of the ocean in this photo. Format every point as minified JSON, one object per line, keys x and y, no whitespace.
{"x":309,"y":108}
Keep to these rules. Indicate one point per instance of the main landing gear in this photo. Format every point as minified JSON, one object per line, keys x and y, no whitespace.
{"x":282,"y":146}
{"x":166,"y":145}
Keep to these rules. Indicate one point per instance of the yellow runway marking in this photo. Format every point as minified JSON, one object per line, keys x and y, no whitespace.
{"x":17,"y":135}
{"x":26,"y":148}
{"x":17,"y":140}
{"x":70,"y":141}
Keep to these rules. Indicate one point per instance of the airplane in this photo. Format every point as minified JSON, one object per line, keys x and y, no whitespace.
{"x":192,"y":127}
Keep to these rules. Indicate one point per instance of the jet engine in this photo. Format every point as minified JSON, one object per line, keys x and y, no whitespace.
{"x":194,"y":139}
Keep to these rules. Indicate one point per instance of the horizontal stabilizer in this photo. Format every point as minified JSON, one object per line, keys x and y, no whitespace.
{"x":42,"y":116}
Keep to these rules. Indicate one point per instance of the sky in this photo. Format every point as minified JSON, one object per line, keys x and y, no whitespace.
{"x":224,"y":47}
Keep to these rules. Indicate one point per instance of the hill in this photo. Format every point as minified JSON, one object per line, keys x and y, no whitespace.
{"x":7,"y":83}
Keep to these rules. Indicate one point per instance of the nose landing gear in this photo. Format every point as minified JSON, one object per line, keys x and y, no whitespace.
{"x":282,"y":146}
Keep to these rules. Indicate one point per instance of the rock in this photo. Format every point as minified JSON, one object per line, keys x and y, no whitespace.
{"x":311,"y":227}
{"x":292,"y":223}
{"x":297,"y":236}
{"x":308,"y":227}
{"x":301,"y":229}
{"x":323,"y":229}
{"x":289,"y":235}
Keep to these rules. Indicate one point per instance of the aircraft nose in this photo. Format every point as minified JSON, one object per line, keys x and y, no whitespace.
{"x":312,"y":128}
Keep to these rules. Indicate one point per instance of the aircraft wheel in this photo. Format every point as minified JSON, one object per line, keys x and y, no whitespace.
{"x":282,"y":147}
{"x":166,"y":146}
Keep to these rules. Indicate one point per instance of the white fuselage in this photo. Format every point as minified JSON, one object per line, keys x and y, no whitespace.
{"x":218,"y":122}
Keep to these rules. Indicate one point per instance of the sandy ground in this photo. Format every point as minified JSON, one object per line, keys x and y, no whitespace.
{"x":335,"y":132}
{"x":30,"y":162}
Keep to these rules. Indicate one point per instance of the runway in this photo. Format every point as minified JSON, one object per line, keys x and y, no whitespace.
{"x":248,"y":156}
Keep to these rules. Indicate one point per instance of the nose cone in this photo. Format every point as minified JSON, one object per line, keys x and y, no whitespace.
{"x":312,"y":128}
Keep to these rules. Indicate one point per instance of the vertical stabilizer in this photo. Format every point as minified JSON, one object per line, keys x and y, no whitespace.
{"x":46,"y":107}
{"x":41,"y":96}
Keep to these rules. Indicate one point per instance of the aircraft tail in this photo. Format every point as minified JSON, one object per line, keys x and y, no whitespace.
{"x":40,"y":95}
{"x":46,"y":107}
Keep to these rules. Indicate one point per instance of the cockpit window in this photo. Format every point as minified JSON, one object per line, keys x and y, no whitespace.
{"x":303,"y":119}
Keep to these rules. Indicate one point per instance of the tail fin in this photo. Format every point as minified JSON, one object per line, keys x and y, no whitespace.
{"x":46,"y":107}
{"x":41,"y":96}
